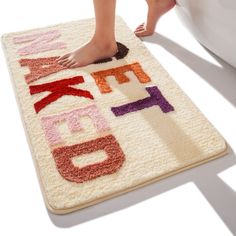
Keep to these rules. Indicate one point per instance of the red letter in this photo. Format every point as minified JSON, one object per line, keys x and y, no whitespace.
{"x":63,"y":157}
{"x":58,"y":89}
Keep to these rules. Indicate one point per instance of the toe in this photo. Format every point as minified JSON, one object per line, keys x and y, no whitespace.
{"x":62,"y":62}
{"x":71,"y":63}
{"x":74,"y":65}
{"x":144,"y":32}
{"x":141,"y":33}
{"x":140,"y":30}
{"x":68,"y":62}
{"x":63,"y":57}
{"x":139,"y":27}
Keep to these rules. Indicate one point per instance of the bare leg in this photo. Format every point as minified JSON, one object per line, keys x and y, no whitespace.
{"x":156,"y":8}
{"x":102,"y":44}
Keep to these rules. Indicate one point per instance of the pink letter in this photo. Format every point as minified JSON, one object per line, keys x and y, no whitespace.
{"x":49,"y":123}
{"x":39,"y":42}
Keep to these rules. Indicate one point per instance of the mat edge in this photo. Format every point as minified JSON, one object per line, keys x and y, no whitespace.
{"x":4,"y":35}
{"x":151,"y":181}
{"x":17,"y":99}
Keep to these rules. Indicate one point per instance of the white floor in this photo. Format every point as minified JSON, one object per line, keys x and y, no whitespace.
{"x":201,"y":201}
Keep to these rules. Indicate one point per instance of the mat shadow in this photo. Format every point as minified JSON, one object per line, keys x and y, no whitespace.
{"x":219,"y":195}
{"x":222,"y":78}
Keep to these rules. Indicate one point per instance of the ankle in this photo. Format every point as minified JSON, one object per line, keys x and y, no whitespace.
{"x":104,"y":44}
{"x":161,"y":3}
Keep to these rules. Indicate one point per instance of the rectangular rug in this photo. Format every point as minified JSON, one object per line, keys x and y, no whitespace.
{"x":104,"y":129}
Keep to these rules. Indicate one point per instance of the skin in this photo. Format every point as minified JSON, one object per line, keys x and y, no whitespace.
{"x":103,"y":43}
{"x":156,"y":8}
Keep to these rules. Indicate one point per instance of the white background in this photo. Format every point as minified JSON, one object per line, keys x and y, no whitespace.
{"x":200,"y":201}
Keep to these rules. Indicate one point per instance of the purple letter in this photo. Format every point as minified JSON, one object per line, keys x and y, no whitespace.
{"x":156,"y":98}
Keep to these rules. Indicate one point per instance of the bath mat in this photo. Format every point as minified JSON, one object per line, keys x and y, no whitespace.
{"x":104,"y":129}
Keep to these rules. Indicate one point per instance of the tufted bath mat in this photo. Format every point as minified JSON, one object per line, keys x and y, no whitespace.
{"x":98,"y":131}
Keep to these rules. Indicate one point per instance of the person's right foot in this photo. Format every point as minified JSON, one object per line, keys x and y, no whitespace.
{"x":89,"y":53}
{"x":156,"y":8}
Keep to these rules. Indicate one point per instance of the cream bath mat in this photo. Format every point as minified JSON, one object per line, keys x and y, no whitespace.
{"x":98,"y":131}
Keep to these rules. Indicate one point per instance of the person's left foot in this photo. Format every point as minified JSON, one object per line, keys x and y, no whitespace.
{"x":156,"y":8}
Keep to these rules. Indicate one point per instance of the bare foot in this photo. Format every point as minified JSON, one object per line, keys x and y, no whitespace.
{"x":156,"y":8}
{"x":89,"y":53}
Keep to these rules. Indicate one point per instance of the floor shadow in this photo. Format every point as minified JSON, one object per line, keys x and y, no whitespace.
{"x":222,"y":78}
{"x":221,"y":197}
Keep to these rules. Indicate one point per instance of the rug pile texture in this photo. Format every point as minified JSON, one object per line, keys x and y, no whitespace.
{"x":101,"y":130}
